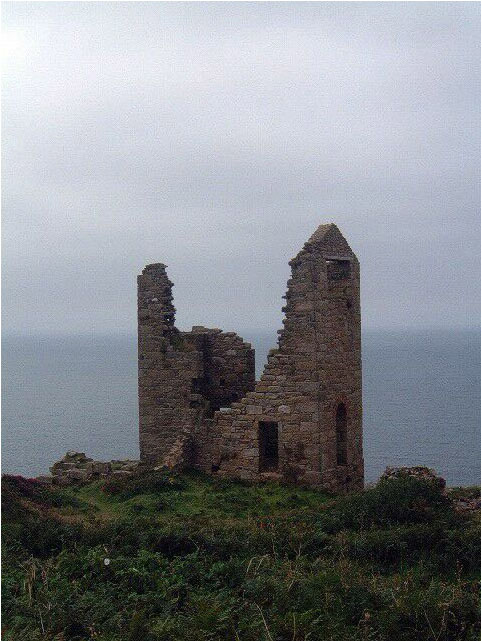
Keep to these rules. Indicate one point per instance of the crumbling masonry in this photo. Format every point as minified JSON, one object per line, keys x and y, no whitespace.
{"x":199,"y":403}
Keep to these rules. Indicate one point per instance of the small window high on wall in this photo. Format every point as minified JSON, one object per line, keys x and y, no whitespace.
{"x":268,"y":446}
{"x":341,"y":441}
{"x":338,"y":269}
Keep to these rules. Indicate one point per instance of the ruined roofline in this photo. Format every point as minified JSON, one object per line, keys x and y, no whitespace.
{"x":156,"y":302}
{"x":329,"y":241}
{"x":202,"y":331}
{"x":326,"y":241}
{"x":154,"y":267}
{"x":321,"y":231}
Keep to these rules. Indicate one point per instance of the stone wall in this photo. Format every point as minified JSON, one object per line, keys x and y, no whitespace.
{"x":228,"y":365}
{"x":183,"y":376}
{"x":302,"y":422}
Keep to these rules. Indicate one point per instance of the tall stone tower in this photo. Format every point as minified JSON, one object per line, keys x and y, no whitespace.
{"x":164,"y":371}
{"x":200,"y":406}
{"x":303,"y":421}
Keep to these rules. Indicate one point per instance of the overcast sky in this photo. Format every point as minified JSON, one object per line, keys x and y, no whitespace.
{"x":216,"y":137}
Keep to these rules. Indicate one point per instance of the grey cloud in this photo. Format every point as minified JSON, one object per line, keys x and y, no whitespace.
{"x":215,"y":137}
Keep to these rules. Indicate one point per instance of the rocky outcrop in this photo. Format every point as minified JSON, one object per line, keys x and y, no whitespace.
{"x":464,"y":500}
{"x":419,"y":472}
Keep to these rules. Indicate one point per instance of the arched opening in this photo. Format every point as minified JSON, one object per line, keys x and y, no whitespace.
{"x":341,"y":443}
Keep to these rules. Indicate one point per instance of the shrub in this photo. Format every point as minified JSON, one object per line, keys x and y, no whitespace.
{"x":395,"y":562}
{"x":392,"y":501}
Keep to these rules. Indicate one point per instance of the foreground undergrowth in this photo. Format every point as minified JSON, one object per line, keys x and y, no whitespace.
{"x":175,"y":557}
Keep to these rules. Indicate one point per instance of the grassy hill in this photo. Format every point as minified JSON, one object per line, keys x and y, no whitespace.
{"x":174,"y":557}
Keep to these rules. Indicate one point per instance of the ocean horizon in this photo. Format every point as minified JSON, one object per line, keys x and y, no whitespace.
{"x":421,"y":399}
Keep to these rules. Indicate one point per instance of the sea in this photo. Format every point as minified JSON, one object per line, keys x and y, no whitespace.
{"x":421,"y":400}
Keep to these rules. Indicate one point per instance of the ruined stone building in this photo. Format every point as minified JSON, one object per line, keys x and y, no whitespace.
{"x":201,"y":407}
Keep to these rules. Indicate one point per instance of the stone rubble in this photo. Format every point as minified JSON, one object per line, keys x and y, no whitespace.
{"x":76,"y":468}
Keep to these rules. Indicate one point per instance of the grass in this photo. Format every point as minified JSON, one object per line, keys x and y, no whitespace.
{"x":192,"y":557}
{"x":195,"y":494}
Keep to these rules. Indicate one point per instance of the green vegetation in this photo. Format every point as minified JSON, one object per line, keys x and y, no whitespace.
{"x":192,"y":557}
